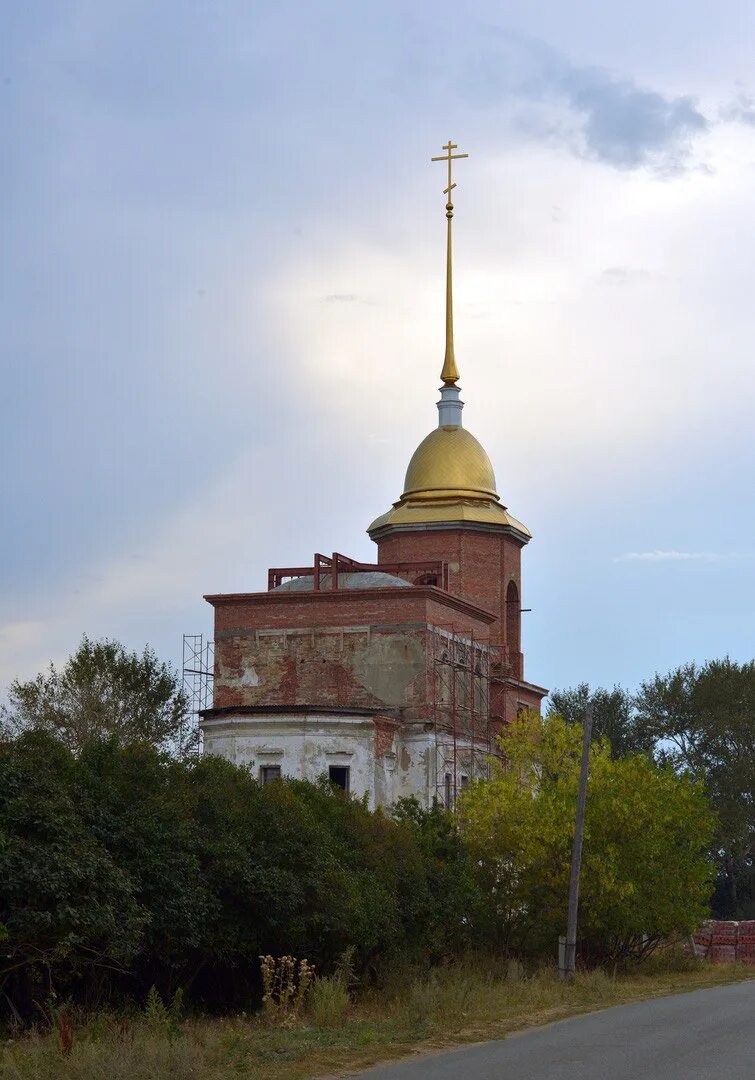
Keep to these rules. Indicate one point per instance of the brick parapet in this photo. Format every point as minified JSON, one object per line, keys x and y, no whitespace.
{"x":345,"y":607}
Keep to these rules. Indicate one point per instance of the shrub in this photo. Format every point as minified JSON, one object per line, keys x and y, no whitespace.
{"x":164,"y":1019}
{"x":328,"y":1001}
{"x":645,"y":874}
{"x":122,"y":869}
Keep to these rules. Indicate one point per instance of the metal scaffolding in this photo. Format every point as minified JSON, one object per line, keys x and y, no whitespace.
{"x":329,"y":569}
{"x":463,"y":726}
{"x":198,"y":673}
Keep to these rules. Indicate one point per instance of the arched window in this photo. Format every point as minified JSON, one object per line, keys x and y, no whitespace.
{"x":427,"y":579}
{"x":513,"y":618}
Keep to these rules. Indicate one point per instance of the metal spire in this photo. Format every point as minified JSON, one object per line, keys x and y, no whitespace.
{"x":450,"y":372}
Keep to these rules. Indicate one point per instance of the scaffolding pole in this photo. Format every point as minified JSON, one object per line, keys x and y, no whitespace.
{"x":198,"y":672}
{"x":460,"y":711}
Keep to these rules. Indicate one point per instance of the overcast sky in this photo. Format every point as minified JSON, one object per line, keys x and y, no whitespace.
{"x":221,"y":295}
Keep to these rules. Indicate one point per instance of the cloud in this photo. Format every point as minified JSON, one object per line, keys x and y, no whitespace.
{"x":346,"y":298}
{"x":741,"y":110}
{"x":627,"y":126}
{"x":623,"y":275}
{"x":671,"y":556}
{"x":597,"y":113}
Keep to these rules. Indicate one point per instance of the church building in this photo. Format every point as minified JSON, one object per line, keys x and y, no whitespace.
{"x":391,"y":678}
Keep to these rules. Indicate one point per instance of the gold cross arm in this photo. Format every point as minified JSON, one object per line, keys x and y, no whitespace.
{"x":449,"y":157}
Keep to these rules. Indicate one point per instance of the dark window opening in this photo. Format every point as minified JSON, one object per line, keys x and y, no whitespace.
{"x":448,"y":792}
{"x":427,"y":579}
{"x":464,"y":781}
{"x":268,"y":773}
{"x":513,"y":618}
{"x":339,"y":776}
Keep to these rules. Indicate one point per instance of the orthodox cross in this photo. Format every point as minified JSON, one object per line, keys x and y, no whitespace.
{"x":449,"y":157}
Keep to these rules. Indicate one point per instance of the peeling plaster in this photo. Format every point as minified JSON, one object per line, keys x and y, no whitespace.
{"x":361,"y":668}
{"x":388,"y":665}
{"x":250,"y":677}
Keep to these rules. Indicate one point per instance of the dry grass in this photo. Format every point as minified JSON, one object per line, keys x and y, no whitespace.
{"x":328,"y":1002}
{"x":465,"y":1002}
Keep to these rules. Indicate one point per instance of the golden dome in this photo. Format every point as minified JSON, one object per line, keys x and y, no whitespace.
{"x":449,"y":462}
{"x":450,"y":481}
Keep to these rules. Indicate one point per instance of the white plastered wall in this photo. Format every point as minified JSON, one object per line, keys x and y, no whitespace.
{"x":304,"y":745}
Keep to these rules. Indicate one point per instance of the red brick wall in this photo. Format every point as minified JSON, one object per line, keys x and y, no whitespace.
{"x":352,"y":648}
{"x":515,"y":698}
{"x":345,"y":607}
{"x":366,"y":669}
{"x":266,"y":611}
{"x":481,"y":564}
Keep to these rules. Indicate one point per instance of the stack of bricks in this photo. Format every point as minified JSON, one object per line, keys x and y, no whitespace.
{"x":746,"y":942}
{"x":726,"y":941}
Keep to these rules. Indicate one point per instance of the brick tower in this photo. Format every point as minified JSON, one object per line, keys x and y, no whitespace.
{"x":450,"y":510}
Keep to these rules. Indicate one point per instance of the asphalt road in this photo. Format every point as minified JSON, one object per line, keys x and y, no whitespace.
{"x":699,"y":1036}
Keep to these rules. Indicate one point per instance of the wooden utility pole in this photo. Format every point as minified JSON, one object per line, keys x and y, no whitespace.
{"x":567,"y":961}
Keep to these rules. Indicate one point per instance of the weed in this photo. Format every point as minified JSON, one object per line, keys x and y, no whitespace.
{"x":164,"y":1019}
{"x":285,"y":985}
{"x":345,"y":968}
{"x":674,"y":958}
{"x":65,"y":1032}
{"x":328,"y":1001}
{"x":421,"y":1000}
{"x":594,"y":982}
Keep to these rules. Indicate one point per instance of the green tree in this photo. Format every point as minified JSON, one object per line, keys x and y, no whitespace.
{"x":702,"y":721}
{"x":67,"y":907}
{"x":644,"y":872}
{"x":123,"y":868}
{"x":458,"y":909}
{"x":138,"y":805}
{"x":104,"y":690}
{"x":614,"y":716}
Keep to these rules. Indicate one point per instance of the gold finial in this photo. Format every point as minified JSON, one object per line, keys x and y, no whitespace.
{"x":450,"y":372}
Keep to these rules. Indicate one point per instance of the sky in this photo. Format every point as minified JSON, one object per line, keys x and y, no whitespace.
{"x":221,"y":303}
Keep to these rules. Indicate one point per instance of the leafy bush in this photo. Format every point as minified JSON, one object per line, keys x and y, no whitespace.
{"x":164,"y":1019}
{"x":645,"y":874}
{"x":123,"y":869}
